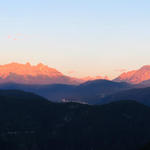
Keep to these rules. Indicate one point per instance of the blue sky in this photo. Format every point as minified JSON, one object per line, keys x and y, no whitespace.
{"x":78,"y":37}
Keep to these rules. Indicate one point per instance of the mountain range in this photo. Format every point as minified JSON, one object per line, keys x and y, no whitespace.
{"x":54,"y":86}
{"x":41,"y":109}
{"x":38,"y":74}
{"x":88,"y":92}
{"x":43,"y":74}
{"x":28,"y":74}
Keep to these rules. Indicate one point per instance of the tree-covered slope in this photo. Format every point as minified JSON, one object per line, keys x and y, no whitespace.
{"x":29,"y":122}
{"x":141,"y":95}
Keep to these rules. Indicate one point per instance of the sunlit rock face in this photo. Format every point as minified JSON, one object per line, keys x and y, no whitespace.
{"x":136,"y":76}
{"x":27,"y":69}
{"x":28,"y":74}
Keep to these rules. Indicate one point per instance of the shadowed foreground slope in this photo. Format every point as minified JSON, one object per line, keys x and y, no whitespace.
{"x":29,"y":122}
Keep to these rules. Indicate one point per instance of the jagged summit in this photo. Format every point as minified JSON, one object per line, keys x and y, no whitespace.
{"x":32,"y":74}
{"x":28,"y":69}
{"x":37,"y":74}
{"x":135,"y":76}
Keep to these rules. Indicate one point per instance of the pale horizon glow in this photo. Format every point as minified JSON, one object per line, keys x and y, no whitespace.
{"x":78,"y":38}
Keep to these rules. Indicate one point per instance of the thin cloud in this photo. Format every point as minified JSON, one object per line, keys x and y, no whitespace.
{"x":16,"y":37}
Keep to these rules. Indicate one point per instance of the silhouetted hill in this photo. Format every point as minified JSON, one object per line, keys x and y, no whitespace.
{"x":53,"y":92}
{"x":28,"y":122}
{"x":141,"y":95}
{"x":89,"y":92}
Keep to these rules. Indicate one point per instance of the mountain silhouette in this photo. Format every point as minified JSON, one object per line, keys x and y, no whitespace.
{"x":141,"y":95}
{"x":29,"y":122}
{"x":89,"y":92}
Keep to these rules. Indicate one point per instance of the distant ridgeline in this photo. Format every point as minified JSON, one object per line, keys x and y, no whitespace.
{"x":90,"y":92}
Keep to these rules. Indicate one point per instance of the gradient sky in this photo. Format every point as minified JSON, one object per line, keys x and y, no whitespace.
{"x":77,"y":37}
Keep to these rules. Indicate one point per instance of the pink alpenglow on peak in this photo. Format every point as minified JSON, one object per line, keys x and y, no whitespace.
{"x":135,"y":76}
{"x":30,"y":74}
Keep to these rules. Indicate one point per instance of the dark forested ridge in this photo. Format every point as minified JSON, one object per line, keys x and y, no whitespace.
{"x":141,"y":95}
{"x":146,"y":147}
{"x":29,"y":122}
